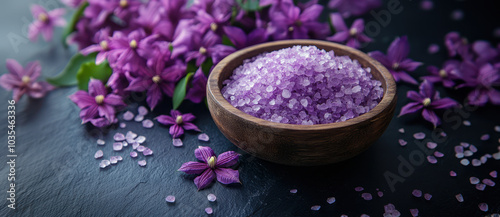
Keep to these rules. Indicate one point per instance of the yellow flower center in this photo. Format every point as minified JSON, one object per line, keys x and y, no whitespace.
{"x":395,"y":66}
{"x":99,"y":99}
{"x":123,"y":3}
{"x":213,"y":26}
{"x":203,"y":50}
{"x":427,"y":101}
{"x":178,"y":119}
{"x":133,"y":44}
{"x":104,"y":45}
{"x":290,"y":29}
{"x":156,"y":79}
{"x":443,"y":73}
{"x":43,"y":17}
{"x":26,"y":79}
{"x":353,"y":31}
{"x":211,"y":161}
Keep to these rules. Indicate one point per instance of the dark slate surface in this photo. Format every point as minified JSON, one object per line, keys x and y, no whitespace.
{"x":57,"y":175}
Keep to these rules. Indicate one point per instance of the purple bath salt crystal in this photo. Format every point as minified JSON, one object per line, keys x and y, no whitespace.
{"x":474,"y":180}
{"x":359,"y":188}
{"x":364,"y":215}
{"x":380,"y":194}
{"x":483,"y":207}
{"x":123,"y":125}
{"x":497,"y":129}
{"x":98,"y":154}
{"x":141,"y":148}
{"x":142,"y":110}
{"x":426,"y":5}
{"x":476,"y":162}
{"x":459,"y":149}
{"x":485,"y":137}
{"x":113,"y":160}
{"x":453,"y":173}
{"x":402,"y":142}
{"x":119,"y":137}
{"x":315,"y":207}
{"x":140,"y":139}
{"x":133,"y":154}
{"x":459,"y":155}
{"x":177,"y":142}
{"x":427,"y":196}
{"x":120,"y":158}
{"x":147,"y":152}
{"x":117,"y":146}
{"x":457,"y":15}
{"x":104,"y":164}
{"x":170,"y":198}
{"x":293,"y":191}
{"x":138,"y":118}
{"x":128,"y":116}
{"x":466,"y":123}
{"x":130,"y":137}
{"x":433,"y":48}
{"x":203,"y":137}
{"x":366,"y":196}
{"x":142,"y":163}
{"x":438,"y":154}
{"x":493,"y":173}
{"x":496,"y":156}
{"x":414,"y":212}
{"x":209,"y":210}
{"x":473,"y":148}
{"x":147,"y":123}
{"x":401,"y":130}
{"x":460,"y":198}
{"x":464,"y":144}
{"x":125,"y":143}
{"x":432,"y":159}
{"x":443,"y":134}
{"x":330,"y":200}
{"x":390,"y":210}
{"x":419,"y":135}
{"x":302,"y":85}
{"x":465,"y":162}
{"x":480,"y":186}
{"x":211,"y":197}
{"x":431,"y":145}
{"x":417,"y":193}
{"x":483,"y":159}
{"x":135,"y":145}
{"x":468,"y":153}
{"x":489,"y":182}
{"x":101,"y":142}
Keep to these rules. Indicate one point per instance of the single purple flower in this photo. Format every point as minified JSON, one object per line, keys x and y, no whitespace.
{"x":179,"y":122}
{"x":23,"y":80}
{"x":214,"y":17}
{"x":396,"y":60}
{"x":44,"y":22}
{"x":458,"y":45}
{"x":353,"y":36}
{"x":197,"y":92}
{"x":427,"y":100}
{"x":212,"y":166}
{"x":485,"y":52}
{"x":98,"y":107}
{"x":483,"y":79}
{"x":354,"y":7}
{"x":207,"y":47}
{"x":447,"y":75}
{"x":128,"y":49}
{"x":102,"y":47}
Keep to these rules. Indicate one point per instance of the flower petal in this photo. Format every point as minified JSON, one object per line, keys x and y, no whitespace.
{"x":114,"y":100}
{"x":203,"y":153}
{"x":494,"y":96}
{"x":9,"y":81}
{"x":190,"y":126}
{"x":379,"y":56}
{"x":411,"y":108}
{"x":88,"y":113}
{"x":404,"y":77}
{"x":188,"y":117}
{"x":15,"y":68}
{"x":338,"y":22}
{"x":414,"y":96}
{"x":204,"y":179}
{"x":192,"y":167}
{"x":443,"y":103}
{"x":154,"y":96}
{"x":96,"y":87}
{"x":399,"y":49}
{"x":176,"y":131}
{"x":227,"y":159}
{"x":478,"y":97}
{"x":165,"y":120}
{"x":430,"y":116}
{"x":227,"y":176}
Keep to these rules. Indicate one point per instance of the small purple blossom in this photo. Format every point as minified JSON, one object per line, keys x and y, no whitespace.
{"x":456,"y":44}
{"x":353,"y":37}
{"x":447,"y":75}
{"x":396,"y":60}
{"x":483,"y":79}
{"x":179,"y":122}
{"x":98,"y":107}
{"x":102,"y":46}
{"x":23,"y":80}
{"x":45,"y":22}
{"x":212,"y":167}
{"x":129,"y":48}
{"x":427,"y":100}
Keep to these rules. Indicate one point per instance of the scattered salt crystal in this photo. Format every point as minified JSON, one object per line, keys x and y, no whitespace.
{"x":466,"y":123}
{"x":330,"y":200}
{"x":359,"y":188}
{"x":293,"y":191}
{"x":117,"y":146}
{"x":473,"y":148}
{"x":113,"y":160}
{"x":119,"y":158}
{"x":133,"y":154}
{"x":380,"y":194}
{"x":142,"y":110}
{"x":98,"y":154}
{"x":474,"y":180}
{"x":489,"y":182}
{"x":135,"y":145}
{"x":497,"y":129}
{"x":443,"y":134}
{"x":366,"y":196}
{"x":433,"y":48}
{"x":142,"y":163}
{"x":457,"y":15}
{"x":427,"y":196}
{"x":496,"y":156}
{"x":315,"y":207}
{"x":476,"y":162}
{"x":468,"y":153}
{"x":401,"y":130}
{"x":170,"y":198}
{"x":480,"y":186}
{"x":438,"y":154}
{"x":414,"y":212}
{"x":432,"y":159}
{"x":141,"y":148}
{"x":431,"y":145}
{"x":125,"y":143}
{"x":104,"y":163}
{"x":128,"y":116}
{"x":483,"y":159}
{"x":459,"y":149}
{"x":390,"y":210}
{"x":459,"y":155}
{"x":209,"y":210}
{"x":453,"y":173}
{"x":211,"y":197}
{"x":177,"y":142}
{"x":417,"y":193}
{"x":402,"y":142}
{"x":203,"y":137}
{"x":364,"y":215}
{"x":426,"y":5}
{"x":460,"y":198}
{"x":485,"y":137}
{"x":465,"y":162}
{"x":138,"y":118}
{"x":419,"y":135}
{"x":465,"y":144}
{"x":147,"y":152}
{"x":483,"y":207}
{"x":100,"y":142}
{"x":147,"y":123}
{"x":123,"y":125}
{"x":493,"y":173}
{"x":140,"y":139}
{"x":119,"y":137}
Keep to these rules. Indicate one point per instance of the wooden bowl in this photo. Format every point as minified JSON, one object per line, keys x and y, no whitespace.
{"x":293,"y":144}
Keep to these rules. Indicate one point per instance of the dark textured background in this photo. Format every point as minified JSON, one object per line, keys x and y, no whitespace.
{"x":57,"y":175}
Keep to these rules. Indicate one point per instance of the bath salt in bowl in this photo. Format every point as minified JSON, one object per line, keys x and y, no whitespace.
{"x":312,"y":103}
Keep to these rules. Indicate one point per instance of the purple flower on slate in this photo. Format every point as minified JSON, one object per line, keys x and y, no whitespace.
{"x":289,"y":22}
{"x":23,"y":80}
{"x":396,"y":60}
{"x":44,"y":22}
{"x":446,"y":75}
{"x":197,"y":92}
{"x":353,"y":36}
{"x":128,"y":48}
{"x":179,"y":122}
{"x":102,"y":46}
{"x":483,"y":78}
{"x":427,"y":100}
{"x":98,"y":107}
{"x":206,"y":47}
{"x":212,"y":166}
{"x":354,"y":7}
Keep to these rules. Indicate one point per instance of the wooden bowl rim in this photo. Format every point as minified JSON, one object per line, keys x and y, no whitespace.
{"x":387,"y":98}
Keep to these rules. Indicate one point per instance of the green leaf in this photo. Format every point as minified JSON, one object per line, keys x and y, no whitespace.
{"x":71,"y":26}
{"x":227,"y":41}
{"x":205,"y":66}
{"x":180,"y":90}
{"x":91,"y":70}
{"x":249,"y":5}
{"x":68,"y":75}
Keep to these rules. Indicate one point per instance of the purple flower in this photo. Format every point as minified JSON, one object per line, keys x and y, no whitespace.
{"x":102,"y":46}
{"x":179,"y":122}
{"x":206,"y":47}
{"x":457,"y":45}
{"x":396,"y":60}
{"x":485,"y":52}
{"x":212,"y":166}
{"x":214,"y":16}
{"x":197,"y":92}
{"x":127,"y":49}
{"x":483,"y":79}
{"x":23,"y":80}
{"x":353,"y":36}
{"x":446,"y":75}
{"x":97,"y":105}
{"x":44,"y":22}
{"x":427,"y":100}
{"x":354,"y":7}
